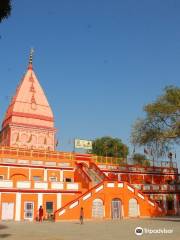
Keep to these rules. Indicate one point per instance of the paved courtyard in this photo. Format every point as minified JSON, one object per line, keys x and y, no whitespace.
{"x":91,"y":230}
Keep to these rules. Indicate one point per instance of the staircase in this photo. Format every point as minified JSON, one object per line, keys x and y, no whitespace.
{"x":98,"y":186}
{"x":107,"y":191}
{"x":95,"y":174}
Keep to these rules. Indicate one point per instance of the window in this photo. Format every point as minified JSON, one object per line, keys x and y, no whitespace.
{"x":1,"y":177}
{"x":170,"y":205}
{"x":68,"y":180}
{"x":36,"y":178}
{"x":28,"y":210}
{"x":53,"y":179}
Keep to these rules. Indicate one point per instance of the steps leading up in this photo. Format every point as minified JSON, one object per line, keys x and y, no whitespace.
{"x":106,"y":191}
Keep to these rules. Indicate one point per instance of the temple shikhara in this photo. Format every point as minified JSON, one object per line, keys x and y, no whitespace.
{"x":29,"y":121}
{"x":34,"y":174}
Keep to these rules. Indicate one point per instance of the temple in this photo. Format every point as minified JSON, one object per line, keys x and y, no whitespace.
{"x":34,"y":174}
{"x":29,"y":121}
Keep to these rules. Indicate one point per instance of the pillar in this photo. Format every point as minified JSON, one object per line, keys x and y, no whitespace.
{"x":59,"y":200}
{"x":18,"y":207}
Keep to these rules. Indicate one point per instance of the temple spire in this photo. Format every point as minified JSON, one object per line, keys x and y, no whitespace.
{"x":31,"y":58}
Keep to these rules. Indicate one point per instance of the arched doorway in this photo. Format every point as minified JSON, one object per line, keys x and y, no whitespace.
{"x":133,"y":208}
{"x":116,"y":208}
{"x":97,"y":208}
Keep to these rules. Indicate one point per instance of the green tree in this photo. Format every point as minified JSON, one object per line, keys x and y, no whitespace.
{"x":161,"y":126}
{"x":140,"y":159}
{"x":110,"y":147}
{"x":5,"y":9}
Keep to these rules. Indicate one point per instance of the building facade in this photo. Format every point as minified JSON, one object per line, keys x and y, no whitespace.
{"x":34,"y":174}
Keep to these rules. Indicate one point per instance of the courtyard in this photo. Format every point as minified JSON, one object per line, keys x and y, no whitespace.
{"x":92,"y":230}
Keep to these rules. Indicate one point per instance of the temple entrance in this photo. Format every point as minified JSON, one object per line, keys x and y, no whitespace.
{"x":97,"y":208}
{"x":7,"y":211}
{"x":116,"y":208}
{"x":133,"y":208}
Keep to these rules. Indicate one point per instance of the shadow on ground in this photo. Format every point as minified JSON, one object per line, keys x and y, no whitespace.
{"x":4,"y":235}
{"x":167,"y":219}
{"x":2,"y":226}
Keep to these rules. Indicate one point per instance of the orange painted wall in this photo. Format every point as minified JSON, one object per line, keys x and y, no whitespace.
{"x":66,"y":198}
{"x":4,"y":171}
{"x":29,"y":198}
{"x":22,"y":172}
{"x":53,"y":173}
{"x":37,"y":172}
{"x":69,"y":174}
{"x":106,"y":195}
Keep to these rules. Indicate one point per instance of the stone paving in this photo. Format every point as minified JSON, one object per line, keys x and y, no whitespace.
{"x":92,"y":230}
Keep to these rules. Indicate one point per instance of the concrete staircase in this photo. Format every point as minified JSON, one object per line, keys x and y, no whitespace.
{"x":100,"y":187}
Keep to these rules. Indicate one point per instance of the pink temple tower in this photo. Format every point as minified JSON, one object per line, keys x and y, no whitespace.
{"x":29,"y":120}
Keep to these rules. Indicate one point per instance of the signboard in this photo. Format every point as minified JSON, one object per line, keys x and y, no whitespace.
{"x":86,"y":144}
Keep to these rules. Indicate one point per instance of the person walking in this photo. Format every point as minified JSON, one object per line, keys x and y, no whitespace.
{"x":40,"y":214}
{"x":81,"y":215}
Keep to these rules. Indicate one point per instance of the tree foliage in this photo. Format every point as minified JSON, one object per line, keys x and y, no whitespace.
{"x":161,"y":126}
{"x":140,"y":159}
{"x":5,"y":9}
{"x":110,"y":147}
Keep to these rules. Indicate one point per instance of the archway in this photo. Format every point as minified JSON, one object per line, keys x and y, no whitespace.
{"x":116,"y":208}
{"x":18,"y":177}
{"x":133,"y":208}
{"x":97,"y":208}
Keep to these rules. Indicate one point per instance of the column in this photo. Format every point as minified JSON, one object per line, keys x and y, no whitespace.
{"x":164,"y":203}
{"x":40,"y":199}
{"x":138,"y":211}
{"x":122,"y":210}
{"x":61,"y":176}
{"x":119,"y":177}
{"x":18,"y":207}
{"x":45,"y":175}
{"x":59,"y":200}
{"x":8,"y":173}
{"x":175,"y":203}
{"x":29,"y":174}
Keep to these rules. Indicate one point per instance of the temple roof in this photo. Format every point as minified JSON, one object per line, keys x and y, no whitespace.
{"x":29,"y":102}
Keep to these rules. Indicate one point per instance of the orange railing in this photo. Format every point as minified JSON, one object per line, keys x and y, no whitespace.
{"x":30,"y":156}
{"x":57,"y":157}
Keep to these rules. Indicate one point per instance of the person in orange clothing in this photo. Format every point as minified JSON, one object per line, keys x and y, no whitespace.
{"x":40,"y":214}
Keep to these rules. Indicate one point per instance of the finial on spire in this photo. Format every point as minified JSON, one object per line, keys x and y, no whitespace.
{"x":31,"y":58}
